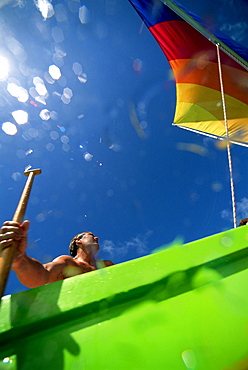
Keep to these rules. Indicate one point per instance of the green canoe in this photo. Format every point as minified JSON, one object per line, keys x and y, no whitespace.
{"x":184,"y":307}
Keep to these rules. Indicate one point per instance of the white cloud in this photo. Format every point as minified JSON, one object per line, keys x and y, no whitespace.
{"x":236,"y":31}
{"x":241,"y":210}
{"x":138,"y":245}
{"x":109,"y":247}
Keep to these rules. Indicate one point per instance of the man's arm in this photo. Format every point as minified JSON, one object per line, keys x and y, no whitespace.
{"x":32,"y":273}
{"x":29,"y":271}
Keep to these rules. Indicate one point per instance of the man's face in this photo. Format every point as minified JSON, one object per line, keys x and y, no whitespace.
{"x":88,"y":242}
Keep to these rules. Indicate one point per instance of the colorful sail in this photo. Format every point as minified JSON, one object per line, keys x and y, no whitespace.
{"x":193,"y":59}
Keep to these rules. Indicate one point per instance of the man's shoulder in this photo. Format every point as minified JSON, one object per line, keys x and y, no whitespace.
{"x":63,"y":259}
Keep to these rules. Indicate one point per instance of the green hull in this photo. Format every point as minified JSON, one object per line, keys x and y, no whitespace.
{"x":185,"y":307}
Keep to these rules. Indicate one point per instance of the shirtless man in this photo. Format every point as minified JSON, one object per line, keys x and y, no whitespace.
{"x":33,"y":273}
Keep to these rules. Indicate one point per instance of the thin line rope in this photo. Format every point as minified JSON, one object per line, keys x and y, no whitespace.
{"x":228,"y":141}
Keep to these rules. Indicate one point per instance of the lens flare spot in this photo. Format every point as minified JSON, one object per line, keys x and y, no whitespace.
{"x":50,"y":147}
{"x":54,"y":72}
{"x":67,"y":92}
{"x":227,"y":242}
{"x":66,"y":147}
{"x":54,"y":135}
{"x":84,"y":14}
{"x":16,"y":176}
{"x":7,"y":360}
{"x":193,"y":148}
{"x":137,"y":65}
{"x":20,"y":116}
{"x":88,"y":157}
{"x":65,"y":139}
{"x":83,"y":78}
{"x":18,"y":92}
{"x":216,"y":186}
{"x":77,"y":68}
{"x":9,"y":128}
{"x":189,"y":359}
{"x":62,"y":128}
{"x":45,"y":7}
{"x":45,"y":114}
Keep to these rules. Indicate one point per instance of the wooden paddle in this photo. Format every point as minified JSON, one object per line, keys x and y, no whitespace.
{"x":7,"y":254}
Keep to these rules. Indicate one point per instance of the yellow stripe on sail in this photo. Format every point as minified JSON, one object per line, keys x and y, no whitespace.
{"x":200,"y":108}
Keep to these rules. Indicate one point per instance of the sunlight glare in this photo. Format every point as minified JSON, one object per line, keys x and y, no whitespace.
{"x":4,"y":68}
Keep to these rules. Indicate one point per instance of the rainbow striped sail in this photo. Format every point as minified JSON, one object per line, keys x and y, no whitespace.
{"x":193,"y":59}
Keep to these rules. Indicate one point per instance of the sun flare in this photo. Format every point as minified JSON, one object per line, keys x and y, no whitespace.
{"x":4,"y":68}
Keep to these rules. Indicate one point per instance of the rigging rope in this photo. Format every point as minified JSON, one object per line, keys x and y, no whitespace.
{"x":227,"y":137}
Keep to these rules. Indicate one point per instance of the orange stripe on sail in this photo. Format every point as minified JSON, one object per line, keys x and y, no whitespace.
{"x":202,"y":72}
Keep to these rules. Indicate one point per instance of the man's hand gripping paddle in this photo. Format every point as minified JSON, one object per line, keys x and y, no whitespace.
{"x":7,"y":254}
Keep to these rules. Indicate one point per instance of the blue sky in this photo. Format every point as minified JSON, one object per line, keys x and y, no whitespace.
{"x":136,"y":193}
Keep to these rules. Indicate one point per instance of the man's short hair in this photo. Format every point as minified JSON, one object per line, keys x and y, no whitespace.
{"x":73,"y":244}
{"x":243,"y":222}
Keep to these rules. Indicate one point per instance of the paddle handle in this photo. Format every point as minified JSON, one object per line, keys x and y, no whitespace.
{"x":7,"y":254}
